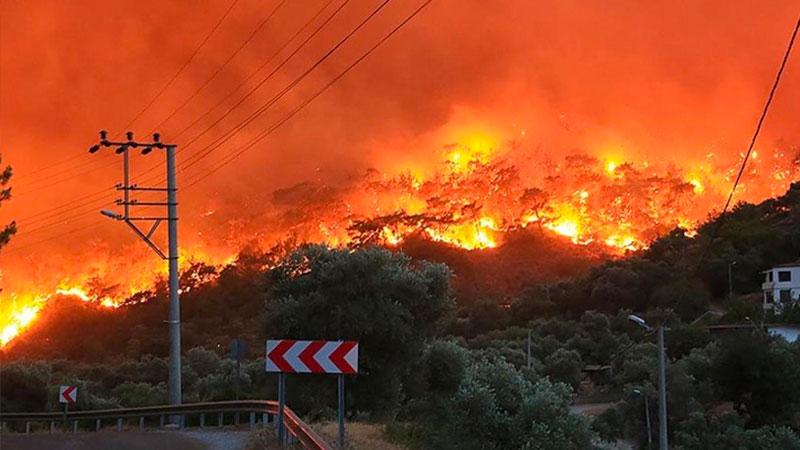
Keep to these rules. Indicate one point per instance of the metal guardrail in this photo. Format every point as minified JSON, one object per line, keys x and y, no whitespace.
{"x":267,"y":408}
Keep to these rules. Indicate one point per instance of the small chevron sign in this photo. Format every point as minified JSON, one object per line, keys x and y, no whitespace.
{"x":334,"y":357}
{"x":68,"y":394}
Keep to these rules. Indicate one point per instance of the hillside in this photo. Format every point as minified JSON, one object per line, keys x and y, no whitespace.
{"x":536,"y":273}
{"x":219,"y":304}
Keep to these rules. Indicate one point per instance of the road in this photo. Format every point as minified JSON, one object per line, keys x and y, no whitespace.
{"x":128,"y":440}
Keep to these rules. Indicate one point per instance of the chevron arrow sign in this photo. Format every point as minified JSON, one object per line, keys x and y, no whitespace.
{"x":289,"y":356}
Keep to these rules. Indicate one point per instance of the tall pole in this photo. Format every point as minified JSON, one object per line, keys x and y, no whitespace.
{"x":281,"y":406}
{"x":529,"y":349}
{"x":662,"y":391}
{"x":174,"y":302}
{"x":341,"y":412}
{"x":123,"y":148}
{"x":730,"y":279}
{"x":647,"y":421}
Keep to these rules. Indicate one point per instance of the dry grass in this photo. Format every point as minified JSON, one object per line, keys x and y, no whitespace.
{"x":263,"y":439}
{"x":360,"y":436}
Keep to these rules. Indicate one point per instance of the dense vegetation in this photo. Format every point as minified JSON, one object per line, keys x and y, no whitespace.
{"x":436,"y":366}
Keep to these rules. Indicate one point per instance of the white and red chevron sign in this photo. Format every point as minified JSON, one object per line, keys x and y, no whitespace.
{"x":68,"y":394}
{"x":288,"y":356}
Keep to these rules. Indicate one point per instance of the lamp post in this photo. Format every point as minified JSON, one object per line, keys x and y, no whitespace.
{"x":730,"y":279}
{"x":646,"y":416}
{"x":662,"y":379}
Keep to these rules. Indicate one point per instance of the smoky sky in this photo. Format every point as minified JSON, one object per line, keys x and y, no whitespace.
{"x":668,"y":81}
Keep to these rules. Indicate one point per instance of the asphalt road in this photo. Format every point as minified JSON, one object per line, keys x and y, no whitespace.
{"x":128,"y":440}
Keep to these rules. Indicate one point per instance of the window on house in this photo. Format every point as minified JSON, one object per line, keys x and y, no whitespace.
{"x":784,"y":275}
{"x":786,"y":295}
{"x":769,"y":274}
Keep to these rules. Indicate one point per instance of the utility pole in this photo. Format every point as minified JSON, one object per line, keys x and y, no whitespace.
{"x":662,"y":390}
{"x":530,"y":363}
{"x":662,"y":378}
{"x":730,"y":279}
{"x":641,"y":393}
{"x":171,"y":204}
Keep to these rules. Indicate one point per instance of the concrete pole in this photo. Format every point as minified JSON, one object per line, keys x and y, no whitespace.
{"x":662,"y":391}
{"x":529,"y":349}
{"x":174,"y":302}
{"x":340,"y":442}
{"x":126,"y":183}
{"x":730,"y":279}
{"x":647,"y":420}
{"x":281,"y":406}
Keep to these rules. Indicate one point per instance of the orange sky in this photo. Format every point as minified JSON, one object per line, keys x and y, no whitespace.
{"x":661,"y":81}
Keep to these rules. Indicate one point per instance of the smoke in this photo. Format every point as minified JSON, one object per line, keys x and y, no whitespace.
{"x":675,"y":86}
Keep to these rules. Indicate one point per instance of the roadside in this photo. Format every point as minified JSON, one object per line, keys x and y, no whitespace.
{"x":360,"y":436}
{"x":128,"y":440}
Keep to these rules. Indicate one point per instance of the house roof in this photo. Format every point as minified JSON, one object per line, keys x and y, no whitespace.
{"x":791,"y":264}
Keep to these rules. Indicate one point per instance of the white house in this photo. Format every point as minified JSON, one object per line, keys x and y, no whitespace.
{"x":781,"y":286}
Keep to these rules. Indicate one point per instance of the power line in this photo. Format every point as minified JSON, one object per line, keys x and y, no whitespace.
{"x":51,"y":166}
{"x":253,"y":73}
{"x":51,"y":238}
{"x":46,"y":183}
{"x":267,"y":78}
{"x":263,"y":135}
{"x":759,"y":125}
{"x":182,"y":67}
{"x":275,"y":126}
{"x":219,"y":69}
{"x":86,"y":209}
{"x":261,"y":110}
{"x":261,"y":83}
{"x":142,"y":111}
{"x":99,"y":196}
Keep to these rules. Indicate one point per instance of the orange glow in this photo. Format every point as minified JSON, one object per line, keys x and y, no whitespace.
{"x":502,"y":125}
{"x":567,"y":228}
{"x":18,"y":320}
{"x":697,"y":186}
{"x":471,"y":199}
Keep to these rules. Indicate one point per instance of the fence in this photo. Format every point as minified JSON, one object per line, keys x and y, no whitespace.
{"x":258,"y":412}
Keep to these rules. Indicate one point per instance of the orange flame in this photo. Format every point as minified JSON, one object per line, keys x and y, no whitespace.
{"x":470,"y":199}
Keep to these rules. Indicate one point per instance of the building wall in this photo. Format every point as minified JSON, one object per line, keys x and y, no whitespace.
{"x":781,"y":285}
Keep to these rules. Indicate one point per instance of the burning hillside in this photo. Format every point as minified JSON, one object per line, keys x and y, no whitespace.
{"x":473,"y":200}
{"x":596,"y":127}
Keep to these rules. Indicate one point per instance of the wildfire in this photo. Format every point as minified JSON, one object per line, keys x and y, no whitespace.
{"x":18,"y":321}
{"x":566,"y":227}
{"x":472,"y":198}
{"x":17,"y":312}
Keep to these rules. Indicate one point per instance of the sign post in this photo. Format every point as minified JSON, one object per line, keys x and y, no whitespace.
{"x":68,"y":395}
{"x":341,"y":411}
{"x":281,"y":406}
{"x":329,"y":357}
{"x":238,"y":353}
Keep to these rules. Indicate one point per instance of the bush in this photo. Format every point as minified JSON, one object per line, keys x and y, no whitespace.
{"x":24,"y":387}
{"x":564,"y":366}
{"x":140,"y":394}
{"x":498,"y":407}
